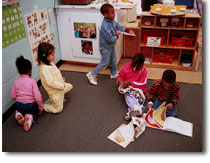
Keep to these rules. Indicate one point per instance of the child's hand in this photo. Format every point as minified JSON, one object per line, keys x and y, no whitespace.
{"x":117,"y":34}
{"x":131,"y":32}
{"x":126,"y":84}
{"x":40,"y":112}
{"x":150,"y":106}
{"x":64,"y":79}
{"x":170,"y":106}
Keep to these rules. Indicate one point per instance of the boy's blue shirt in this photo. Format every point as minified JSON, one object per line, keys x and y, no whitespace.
{"x":107,"y":35}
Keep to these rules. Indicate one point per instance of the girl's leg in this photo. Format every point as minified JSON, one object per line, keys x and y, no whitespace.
{"x":19,"y":117}
{"x":57,"y":103}
{"x":113,"y":62}
{"x":28,"y":122}
{"x":105,"y":58}
{"x":29,"y":108}
{"x":67,"y":88}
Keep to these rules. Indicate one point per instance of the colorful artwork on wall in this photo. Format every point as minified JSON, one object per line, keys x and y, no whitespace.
{"x":13,"y":28}
{"x":38,"y":31}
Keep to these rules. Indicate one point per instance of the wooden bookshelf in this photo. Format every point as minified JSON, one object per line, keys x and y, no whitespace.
{"x":178,"y":38}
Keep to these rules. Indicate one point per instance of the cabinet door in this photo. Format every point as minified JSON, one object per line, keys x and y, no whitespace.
{"x":131,"y":44}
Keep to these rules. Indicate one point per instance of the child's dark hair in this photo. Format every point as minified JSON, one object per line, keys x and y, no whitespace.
{"x":23,"y":65}
{"x":44,"y":50}
{"x":138,"y":59}
{"x":105,"y":8}
{"x":169,"y":76}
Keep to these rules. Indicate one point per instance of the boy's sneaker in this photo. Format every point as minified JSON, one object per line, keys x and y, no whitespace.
{"x":28,"y":122}
{"x":19,"y":117}
{"x":114,"y":76}
{"x":92,"y":78}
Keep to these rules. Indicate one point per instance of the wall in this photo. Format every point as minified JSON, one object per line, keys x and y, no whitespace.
{"x":10,"y":53}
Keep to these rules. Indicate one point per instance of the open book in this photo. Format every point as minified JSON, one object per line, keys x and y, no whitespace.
{"x":126,"y":33}
{"x":125,"y":134}
{"x":157,"y":119}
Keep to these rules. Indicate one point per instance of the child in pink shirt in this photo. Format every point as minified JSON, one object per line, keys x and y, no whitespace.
{"x":26,"y":92}
{"x":134,"y":74}
{"x":133,"y":79}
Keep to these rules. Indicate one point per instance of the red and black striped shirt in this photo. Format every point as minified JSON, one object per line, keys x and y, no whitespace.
{"x":158,"y":91}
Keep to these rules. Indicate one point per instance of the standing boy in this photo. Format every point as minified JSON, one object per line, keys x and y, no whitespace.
{"x":165,"y":89}
{"x":107,"y":39}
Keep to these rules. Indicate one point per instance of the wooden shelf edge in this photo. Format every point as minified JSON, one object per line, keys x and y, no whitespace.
{"x":165,"y":66}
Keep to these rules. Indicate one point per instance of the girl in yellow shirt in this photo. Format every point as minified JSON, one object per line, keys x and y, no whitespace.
{"x":51,"y":78}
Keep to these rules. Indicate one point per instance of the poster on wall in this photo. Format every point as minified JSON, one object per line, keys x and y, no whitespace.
{"x":85,"y":30}
{"x":38,"y":30}
{"x":51,"y":19}
{"x":86,"y":47}
{"x":13,"y":28}
{"x":85,"y":39}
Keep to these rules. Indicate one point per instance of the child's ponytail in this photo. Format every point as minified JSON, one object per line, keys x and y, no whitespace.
{"x":23,"y":65}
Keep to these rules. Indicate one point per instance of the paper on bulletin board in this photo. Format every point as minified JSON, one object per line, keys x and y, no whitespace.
{"x":51,"y":19}
{"x":13,"y":28}
{"x":37,"y":30}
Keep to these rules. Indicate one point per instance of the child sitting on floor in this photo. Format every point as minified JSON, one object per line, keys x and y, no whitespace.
{"x":134,"y":75}
{"x":28,"y":98}
{"x":165,"y":89}
{"x":51,"y":78}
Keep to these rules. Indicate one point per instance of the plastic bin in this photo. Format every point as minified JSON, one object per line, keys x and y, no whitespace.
{"x":182,"y":42}
{"x":160,"y":58}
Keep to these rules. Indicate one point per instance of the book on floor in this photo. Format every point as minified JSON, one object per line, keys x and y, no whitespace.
{"x":125,"y":134}
{"x":157,"y":119}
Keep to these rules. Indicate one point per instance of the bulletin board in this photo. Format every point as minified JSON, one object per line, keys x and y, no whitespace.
{"x":38,"y":31}
{"x":13,"y":28}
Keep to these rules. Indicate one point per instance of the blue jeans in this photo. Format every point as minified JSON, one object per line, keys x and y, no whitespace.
{"x":28,"y":108}
{"x":169,"y":112}
{"x":108,"y":57}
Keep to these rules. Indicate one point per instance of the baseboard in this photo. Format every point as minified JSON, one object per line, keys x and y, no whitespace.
{"x":11,"y":110}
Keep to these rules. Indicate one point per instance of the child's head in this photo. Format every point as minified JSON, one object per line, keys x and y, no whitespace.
{"x":168,"y":78}
{"x":23,"y":65}
{"x":46,"y":53}
{"x":137,"y":61}
{"x":107,"y":11}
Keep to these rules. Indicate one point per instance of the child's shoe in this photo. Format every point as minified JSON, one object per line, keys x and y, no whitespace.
{"x":92,"y":78}
{"x":114,"y":76}
{"x":127,"y":116}
{"x":19,"y":117}
{"x":28,"y":122}
{"x":48,"y":101}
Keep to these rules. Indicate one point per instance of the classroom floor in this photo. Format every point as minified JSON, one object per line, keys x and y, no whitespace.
{"x":153,"y":73}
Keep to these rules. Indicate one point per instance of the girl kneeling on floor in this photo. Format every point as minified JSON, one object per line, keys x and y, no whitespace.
{"x":26,"y":92}
{"x":51,"y":78}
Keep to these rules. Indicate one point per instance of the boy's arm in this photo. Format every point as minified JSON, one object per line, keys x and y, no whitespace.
{"x":151,"y":94}
{"x":175,"y":95}
{"x":108,"y":35}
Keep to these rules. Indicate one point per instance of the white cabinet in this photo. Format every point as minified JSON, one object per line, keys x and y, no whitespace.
{"x":70,"y":17}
